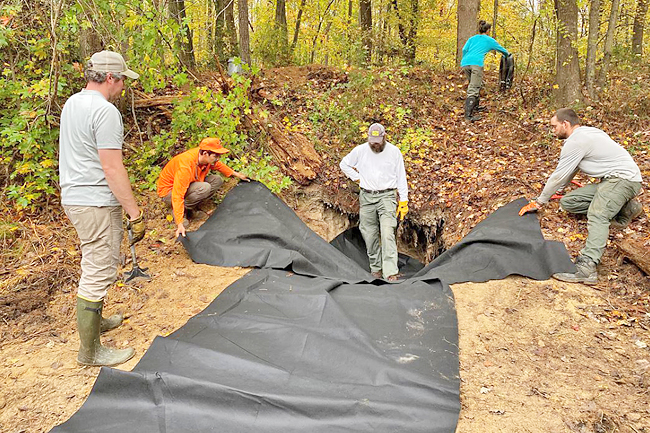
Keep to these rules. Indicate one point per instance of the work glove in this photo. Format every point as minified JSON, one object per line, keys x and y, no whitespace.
{"x":402,"y":210}
{"x":530,"y":207}
{"x":136,"y":227}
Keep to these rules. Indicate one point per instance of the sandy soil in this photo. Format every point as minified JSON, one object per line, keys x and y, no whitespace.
{"x":535,"y":356}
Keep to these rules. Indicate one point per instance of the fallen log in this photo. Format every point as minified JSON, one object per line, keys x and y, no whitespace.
{"x":292,"y":151}
{"x":156,"y":101}
{"x":636,"y":252}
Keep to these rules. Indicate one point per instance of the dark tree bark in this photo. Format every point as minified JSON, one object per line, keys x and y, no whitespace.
{"x":90,"y":42}
{"x":407,"y":29}
{"x":365,"y":22}
{"x":568,"y":67}
{"x":592,"y":47}
{"x":281,"y":24}
{"x":231,"y":29}
{"x":184,"y":39}
{"x":244,"y":35}
{"x":495,"y":15}
{"x":467,"y":17}
{"x":638,"y":27}
{"x":609,"y":42}
{"x":297,"y":30}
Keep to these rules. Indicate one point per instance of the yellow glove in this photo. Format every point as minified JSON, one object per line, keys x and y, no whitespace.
{"x":402,"y":210}
{"x":137,"y":228}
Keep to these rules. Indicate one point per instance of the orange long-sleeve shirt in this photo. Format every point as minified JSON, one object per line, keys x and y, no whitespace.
{"x":180,"y":172}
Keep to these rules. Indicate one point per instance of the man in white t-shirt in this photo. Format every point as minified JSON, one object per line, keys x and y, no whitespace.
{"x":95,"y":188}
{"x":609,"y":202}
{"x":378,"y":166}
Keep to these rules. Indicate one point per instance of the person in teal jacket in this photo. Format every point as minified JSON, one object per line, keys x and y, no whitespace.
{"x":472,"y":63}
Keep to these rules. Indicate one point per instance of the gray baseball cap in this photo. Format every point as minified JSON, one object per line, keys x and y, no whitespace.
{"x":110,"y":61}
{"x":376,"y":133}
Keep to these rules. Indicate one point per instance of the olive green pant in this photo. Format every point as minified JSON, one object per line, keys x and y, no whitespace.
{"x":601,"y":202}
{"x":475,"y":77}
{"x":377,"y":223}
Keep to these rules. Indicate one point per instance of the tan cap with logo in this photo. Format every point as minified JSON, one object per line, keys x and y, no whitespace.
{"x":110,"y":61}
{"x":376,"y":133}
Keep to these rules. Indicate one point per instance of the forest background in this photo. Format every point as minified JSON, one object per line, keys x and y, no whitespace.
{"x":571,"y":45}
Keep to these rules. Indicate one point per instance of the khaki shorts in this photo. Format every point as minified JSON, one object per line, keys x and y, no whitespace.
{"x":100,"y":231}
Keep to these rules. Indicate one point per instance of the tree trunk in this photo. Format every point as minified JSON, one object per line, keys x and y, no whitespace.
{"x":297,"y":30}
{"x":231,"y":29}
{"x":638,"y":28}
{"x":365,"y":22}
{"x":592,"y":47}
{"x":467,"y":20}
{"x":350,"y":32}
{"x":281,"y":27}
{"x":225,"y":32}
{"x":320,"y":25}
{"x":413,"y":32}
{"x":244,"y":36}
{"x":494,"y":18}
{"x":219,"y":43}
{"x":568,"y":67}
{"x":326,"y":61}
{"x":184,"y":38}
{"x":609,"y":43}
{"x":90,"y":42}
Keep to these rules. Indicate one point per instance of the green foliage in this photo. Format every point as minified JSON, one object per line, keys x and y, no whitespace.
{"x":28,"y":150}
{"x":336,"y":112}
{"x":202,"y":113}
{"x":416,"y":139}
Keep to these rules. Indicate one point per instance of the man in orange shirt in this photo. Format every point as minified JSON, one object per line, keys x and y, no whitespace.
{"x":184,"y":182}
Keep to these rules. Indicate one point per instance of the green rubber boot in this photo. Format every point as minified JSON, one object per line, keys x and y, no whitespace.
{"x":112,"y":322}
{"x":91,"y":351}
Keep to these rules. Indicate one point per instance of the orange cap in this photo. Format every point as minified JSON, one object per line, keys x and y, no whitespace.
{"x":213,"y":145}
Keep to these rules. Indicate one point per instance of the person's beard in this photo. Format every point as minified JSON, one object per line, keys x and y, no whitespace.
{"x":562,"y":135}
{"x":378,"y":147}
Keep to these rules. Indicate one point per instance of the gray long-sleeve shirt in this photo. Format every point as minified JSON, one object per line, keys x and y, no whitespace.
{"x":593,"y":152}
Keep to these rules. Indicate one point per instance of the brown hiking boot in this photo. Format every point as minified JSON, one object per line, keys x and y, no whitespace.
{"x":394,"y":278}
{"x":196,"y":214}
{"x":631,"y":211}
{"x":586,"y":272}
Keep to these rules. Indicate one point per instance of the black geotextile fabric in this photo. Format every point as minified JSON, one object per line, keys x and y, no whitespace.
{"x":279,"y":352}
{"x":314,"y":345}
{"x":253,"y":227}
{"x":503,"y":244}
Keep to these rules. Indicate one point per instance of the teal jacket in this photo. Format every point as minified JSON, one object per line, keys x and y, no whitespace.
{"x":477,"y":47}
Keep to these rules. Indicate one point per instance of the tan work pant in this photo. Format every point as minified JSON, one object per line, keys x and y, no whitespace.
{"x":100,"y":231}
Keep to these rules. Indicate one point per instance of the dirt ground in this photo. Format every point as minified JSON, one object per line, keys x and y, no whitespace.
{"x":535,"y":356}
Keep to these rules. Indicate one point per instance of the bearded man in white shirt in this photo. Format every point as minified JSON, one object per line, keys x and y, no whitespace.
{"x":378,"y":166}
{"x":609,"y":202}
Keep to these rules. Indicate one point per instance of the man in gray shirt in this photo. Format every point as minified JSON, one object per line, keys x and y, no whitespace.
{"x":95,"y":187}
{"x":610,"y":201}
